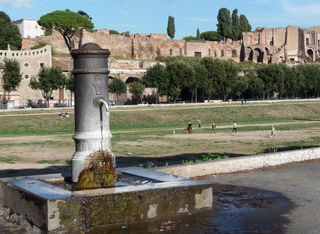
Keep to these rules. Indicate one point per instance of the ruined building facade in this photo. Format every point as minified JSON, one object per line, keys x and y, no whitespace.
{"x":290,"y":45}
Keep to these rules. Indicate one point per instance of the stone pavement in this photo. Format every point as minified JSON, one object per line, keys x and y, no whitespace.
{"x":299,"y":182}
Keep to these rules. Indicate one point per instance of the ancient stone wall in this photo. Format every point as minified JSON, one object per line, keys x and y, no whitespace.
{"x":31,"y":62}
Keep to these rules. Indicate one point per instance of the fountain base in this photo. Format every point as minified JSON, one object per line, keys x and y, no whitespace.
{"x":142,"y":195}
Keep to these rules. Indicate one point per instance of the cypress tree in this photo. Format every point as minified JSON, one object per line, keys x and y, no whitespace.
{"x":198,"y":34}
{"x":171,"y":29}
{"x":224,"y":23}
{"x":244,"y":24}
{"x":236,"y":33}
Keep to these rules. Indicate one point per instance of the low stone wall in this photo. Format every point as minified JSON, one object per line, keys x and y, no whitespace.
{"x":243,"y":163}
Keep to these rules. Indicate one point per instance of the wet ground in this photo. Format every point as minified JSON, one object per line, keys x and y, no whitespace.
{"x":236,"y":210}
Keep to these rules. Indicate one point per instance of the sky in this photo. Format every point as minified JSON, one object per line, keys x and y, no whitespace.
{"x":151,"y":16}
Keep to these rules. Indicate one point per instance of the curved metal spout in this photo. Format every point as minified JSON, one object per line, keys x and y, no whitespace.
{"x":103,"y":102}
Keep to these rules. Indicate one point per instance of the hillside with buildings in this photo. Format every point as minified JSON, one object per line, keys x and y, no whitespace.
{"x":132,"y":54}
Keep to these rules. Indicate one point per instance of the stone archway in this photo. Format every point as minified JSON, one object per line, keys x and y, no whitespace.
{"x":310,"y":54}
{"x":258,"y":55}
{"x":132,"y":79}
{"x":249,"y":53}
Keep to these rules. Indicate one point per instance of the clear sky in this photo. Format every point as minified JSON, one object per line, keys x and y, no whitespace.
{"x":151,"y":16}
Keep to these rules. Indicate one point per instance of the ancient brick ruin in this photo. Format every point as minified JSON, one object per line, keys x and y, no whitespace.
{"x":131,"y":54}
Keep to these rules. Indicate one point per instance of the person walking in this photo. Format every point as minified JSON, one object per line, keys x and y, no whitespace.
{"x":234,"y":128}
{"x":199,"y":123}
{"x":189,"y":128}
{"x":213,"y":127}
{"x":273,"y":131}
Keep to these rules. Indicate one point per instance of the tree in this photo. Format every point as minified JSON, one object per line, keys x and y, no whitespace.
{"x":224,"y":23}
{"x":211,"y":36}
{"x":4,"y":17}
{"x":235,"y":26}
{"x":9,"y":33}
{"x":273,"y":78}
{"x":189,"y":38}
{"x":48,"y":80}
{"x":11,"y":78}
{"x":114,"y":32}
{"x":244,"y":25}
{"x":157,"y":77}
{"x":67,"y":23}
{"x":201,"y":76}
{"x":241,"y":85}
{"x":83,"y":13}
{"x":70,"y":86}
{"x":256,"y":85}
{"x":181,"y":74}
{"x":198,"y":34}
{"x":118,"y":87}
{"x":171,"y":28}
{"x":137,"y":89}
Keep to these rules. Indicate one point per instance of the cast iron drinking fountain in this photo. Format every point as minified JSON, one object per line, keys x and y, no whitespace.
{"x":93,"y":164}
{"x":100,"y":197}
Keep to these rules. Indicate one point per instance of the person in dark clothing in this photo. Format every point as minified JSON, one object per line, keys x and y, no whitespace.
{"x":189,"y":127}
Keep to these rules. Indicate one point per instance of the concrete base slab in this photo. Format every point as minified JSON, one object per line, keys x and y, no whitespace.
{"x":56,"y":209}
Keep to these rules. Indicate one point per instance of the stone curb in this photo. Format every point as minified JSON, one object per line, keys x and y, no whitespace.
{"x":242,"y":163}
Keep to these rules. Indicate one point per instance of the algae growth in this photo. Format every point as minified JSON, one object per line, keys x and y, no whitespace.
{"x":101,"y":172}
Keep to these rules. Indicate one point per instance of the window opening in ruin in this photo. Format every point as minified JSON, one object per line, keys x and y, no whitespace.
{"x":41,"y":65}
{"x":197,"y":54}
{"x":307,"y":41}
{"x":222,"y":53}
{"x":171,"y":52}
{"x":318,"y":43}
{"x":209,"y":52}
{"x":141,"y":64}
{"x":26,"y":76}
{"x":292,"y":60}
{"x":215,"y":53}
{"x":26,"y":64}
{"x":234,"y":53}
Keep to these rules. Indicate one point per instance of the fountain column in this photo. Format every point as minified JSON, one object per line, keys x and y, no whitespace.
{"x":92,"y":131}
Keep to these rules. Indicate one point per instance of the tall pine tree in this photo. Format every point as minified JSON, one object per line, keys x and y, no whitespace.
{"x":224,"y":23}
{"x":171,"y":29}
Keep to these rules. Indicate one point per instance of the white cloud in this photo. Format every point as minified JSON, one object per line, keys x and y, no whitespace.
{"x":302,"y":9}
{"x":16,"y":3}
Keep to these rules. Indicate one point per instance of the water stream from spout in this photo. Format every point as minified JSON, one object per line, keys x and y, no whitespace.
{"x":103,"y":103}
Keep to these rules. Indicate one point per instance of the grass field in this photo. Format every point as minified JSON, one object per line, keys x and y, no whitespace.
{"x":145,"y":134}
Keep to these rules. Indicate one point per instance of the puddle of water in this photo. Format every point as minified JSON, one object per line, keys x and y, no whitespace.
{"x":236,"y":210}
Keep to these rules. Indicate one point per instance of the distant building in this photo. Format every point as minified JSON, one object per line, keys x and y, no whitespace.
{"x":31,"y":61}
{"x":29,"y":28}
